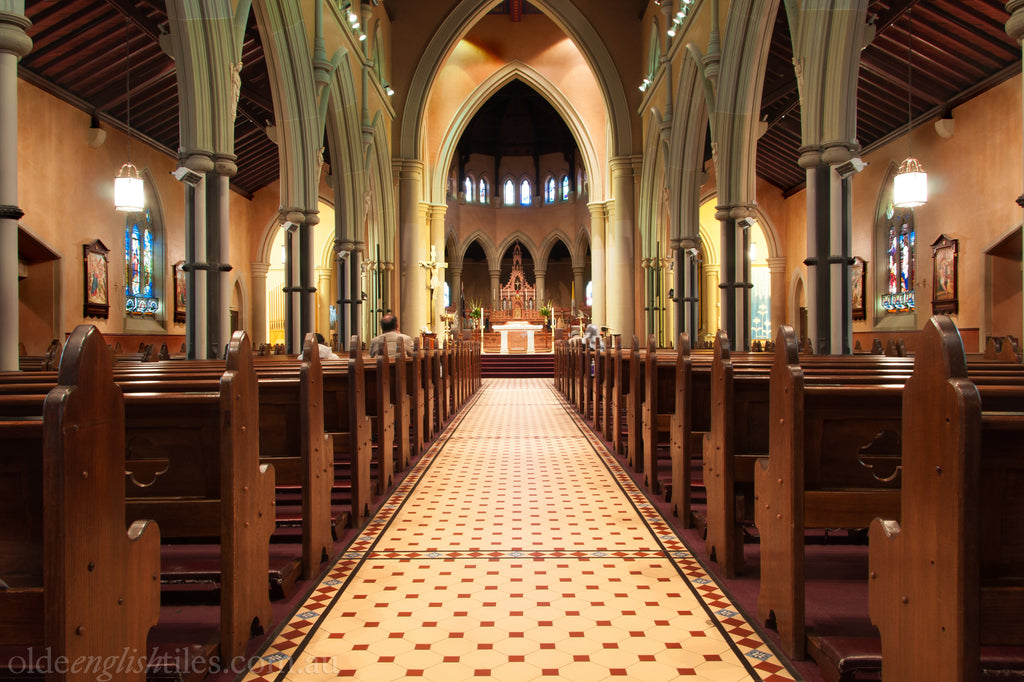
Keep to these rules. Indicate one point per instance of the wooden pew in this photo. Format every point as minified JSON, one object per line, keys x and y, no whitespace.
{"x":400,"y":399}
{"x":193,"y":466}
{"x":67,"y":564}
{"x":830,"y":465}
{"x":659,"y":412}
{"x":380,"y":409}
{"x":350,"y":429}
{"x":738,"y":436}
{"x":947,"y":579}
{"x":292,"y":439}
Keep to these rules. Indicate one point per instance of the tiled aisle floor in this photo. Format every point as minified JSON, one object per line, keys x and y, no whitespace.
{"x":517,"y":549}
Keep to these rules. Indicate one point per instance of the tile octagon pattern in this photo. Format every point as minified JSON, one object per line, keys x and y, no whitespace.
{"x":518,"y":549}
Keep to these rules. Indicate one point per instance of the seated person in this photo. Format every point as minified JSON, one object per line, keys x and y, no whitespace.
{"x":592,"y":338}
{"x":389,"y":335}
{"x":325,"y":351}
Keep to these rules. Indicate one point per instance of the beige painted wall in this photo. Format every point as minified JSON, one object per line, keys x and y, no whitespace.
{"x":65,"y":188}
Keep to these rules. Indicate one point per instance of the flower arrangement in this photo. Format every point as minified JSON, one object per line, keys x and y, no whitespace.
{"x":545,"y":309}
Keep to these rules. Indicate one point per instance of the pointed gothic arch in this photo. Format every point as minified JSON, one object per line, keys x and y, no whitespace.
{"x":515,"y":70}
{"x":567,"y":17}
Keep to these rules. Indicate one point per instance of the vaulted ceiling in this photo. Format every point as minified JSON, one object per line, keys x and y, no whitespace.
{"x":82,"y":50}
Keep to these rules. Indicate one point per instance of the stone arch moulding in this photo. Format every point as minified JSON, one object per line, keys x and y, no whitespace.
{"x":652,"y":180}
{"x":378,"y":164}
{"x":511,"y":239}
{"x":486,"y":243}
{"x":541,"y":259}
{"x":345,"y":139}
{"x":567,"y":17}
{"x":579,"y":254}
{"x":244,"y":303}
{"x":796,"y":285}
{"x":451,"y":243}
{"x":515,"y":70}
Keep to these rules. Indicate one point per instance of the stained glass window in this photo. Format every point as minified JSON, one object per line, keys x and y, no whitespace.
{"x":549,"y":191}
{"x":509,"y":193}
{"x":525,"y":193}
{"x":140,"y":295}
{"x":901,"y":252}
{"x":484,"y":191}
{"x":469,"y":189}
{"x":565,"y":188}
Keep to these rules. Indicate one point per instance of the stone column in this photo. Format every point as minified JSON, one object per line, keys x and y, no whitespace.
{"x":495,"y":287}
{"x":413,"y":246}
{"x":323,"y":301}
{"x":598,"y":262}
{"x":437,"y":214}
{"x":712,"y":300}
{"x":777,"y":271}
{"x":579,"y":284}
{"x":734,"y":279}
{"x":344,"y":293}
{"x":686,"y":298}
{"x":457,"y":297}
{"x":620,"y":310}
{"x":259,"y":302}
{"x":218,"y":245}
{"x":541,"y":277}
{"x":14,"y":44}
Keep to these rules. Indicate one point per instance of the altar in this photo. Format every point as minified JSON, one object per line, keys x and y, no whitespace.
{"x":517,"y":337}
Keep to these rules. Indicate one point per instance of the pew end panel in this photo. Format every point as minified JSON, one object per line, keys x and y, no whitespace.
{"x":775,"y":511}
{"x":317,"y":452}
{"x":247,"y":504}
{"x":81,"y":585}
{"x":924,"y":591}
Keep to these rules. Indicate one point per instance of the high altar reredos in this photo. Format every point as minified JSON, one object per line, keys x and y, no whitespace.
{"x":517,"y":319}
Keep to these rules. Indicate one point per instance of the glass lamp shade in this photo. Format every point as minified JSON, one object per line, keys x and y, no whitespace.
{"x":128,"y":191}
{"x":910,"y":187}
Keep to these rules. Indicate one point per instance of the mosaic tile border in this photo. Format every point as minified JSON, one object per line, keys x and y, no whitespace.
{"x":746,"y":640}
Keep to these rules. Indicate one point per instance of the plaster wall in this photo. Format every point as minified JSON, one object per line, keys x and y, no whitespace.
{"x":66,"y":192}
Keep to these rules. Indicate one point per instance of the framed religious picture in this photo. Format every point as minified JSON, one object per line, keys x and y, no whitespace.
{"x":858,"y":274}
{"x":944,"y":275}
{"x":180,"y":292}
{"x":95,"y":262}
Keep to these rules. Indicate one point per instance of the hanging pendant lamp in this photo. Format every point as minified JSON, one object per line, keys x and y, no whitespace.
{"x":129,"y":194}
{"x":910,"y":186}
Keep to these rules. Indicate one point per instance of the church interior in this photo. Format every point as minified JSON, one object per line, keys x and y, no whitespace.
{"x":747,"y":191}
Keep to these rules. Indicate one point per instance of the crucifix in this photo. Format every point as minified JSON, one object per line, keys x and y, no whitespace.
{"x":433,"y":267}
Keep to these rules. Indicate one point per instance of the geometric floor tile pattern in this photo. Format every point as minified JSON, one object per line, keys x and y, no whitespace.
{"x":517,"y":549}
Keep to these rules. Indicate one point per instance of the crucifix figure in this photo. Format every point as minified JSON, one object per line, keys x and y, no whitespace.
{"x":433,"y":267}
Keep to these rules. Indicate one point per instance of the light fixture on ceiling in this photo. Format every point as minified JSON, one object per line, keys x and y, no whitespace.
{"x":129,"y":194}
{"x":910,"y":186}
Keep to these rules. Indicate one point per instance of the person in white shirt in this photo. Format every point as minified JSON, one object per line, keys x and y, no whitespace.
{"x":325,"y":351}
{"x":390,"y":336}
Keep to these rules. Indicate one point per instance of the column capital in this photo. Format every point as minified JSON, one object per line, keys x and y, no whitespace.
{"x":224,"y":164}
{"x":298,"y":216}
{"x":407,"y":169}
{"x":13,"y":39}
{"x":259,"y":269}
{"x":1015,"y":24}
{"x":578,"y":270}
{"x":438,"y":211}
{"x":323,"y":273}
{"x":199,"y":160}
{"x":598,"y":210}
{"x":776,"y":264}
{"x":735,"y":211}
{"x":623,"y":165}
